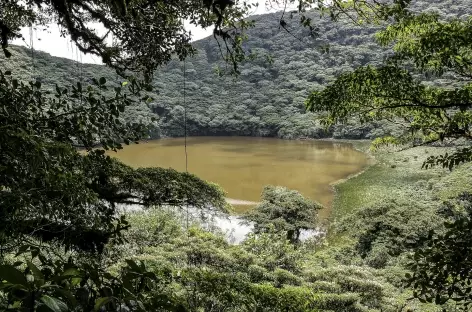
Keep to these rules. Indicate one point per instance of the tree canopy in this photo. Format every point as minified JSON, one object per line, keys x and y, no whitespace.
{"x":441,"y":266}
{"x":48,"y":188}
{"x":286,"y":210}
{"x":145,"y":34}
{"x":425,"y":45}
{"x":56,"y":199}
{"x":55,"y":192}
{"x":62,"y":241}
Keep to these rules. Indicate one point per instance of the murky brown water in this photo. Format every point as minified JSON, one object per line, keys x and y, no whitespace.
{"x":242,"y":165}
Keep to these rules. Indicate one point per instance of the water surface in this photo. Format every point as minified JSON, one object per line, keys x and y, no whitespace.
{"x":243,"y":165}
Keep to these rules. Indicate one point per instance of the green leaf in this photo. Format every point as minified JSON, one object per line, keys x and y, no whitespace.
{"x":124,"y":83}
{"x":54,"y":304}
{"x":68,"y":295}
{"x":100,"y":302}
{"x":71,"y":272}
{"x":76,"y":281}
{"x":18,"y":293}
{"x":35,"y":252}
{"x":38,"y":275}
{"x":133,"y":265}
{"x":12,"y":275}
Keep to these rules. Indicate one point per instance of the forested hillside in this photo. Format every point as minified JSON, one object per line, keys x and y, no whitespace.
{"x":397,"y":240}
{"x":268,"y":98}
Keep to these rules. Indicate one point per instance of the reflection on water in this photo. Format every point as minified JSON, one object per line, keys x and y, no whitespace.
{"x":243,"y":165}
{"x":234,"y":228}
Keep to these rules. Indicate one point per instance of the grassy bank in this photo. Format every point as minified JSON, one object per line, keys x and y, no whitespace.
{"x":373,"y":214}
{"x":396,"y":177}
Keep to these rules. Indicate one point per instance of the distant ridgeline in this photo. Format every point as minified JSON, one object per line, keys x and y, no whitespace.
{"x":267,"y":99}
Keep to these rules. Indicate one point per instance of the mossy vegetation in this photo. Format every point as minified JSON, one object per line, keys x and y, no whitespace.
{"x":397,"y":174}
{"x":359,"y":267}
{"x":377,"y":211}
{"x":399,"y":237}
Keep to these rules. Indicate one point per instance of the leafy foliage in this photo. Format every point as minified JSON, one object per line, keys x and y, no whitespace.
{"x":146,"y":34}
{"x":286,"y":210}
{"x":426,"y":45}
{"x":51,"y":190}
{"x":265,"y":100}
{"x":68,"y":202}
{"x":384,"y":216}
{"x":265,"y":273}
{"x":41,"y":284}
{"x":441,"y":269}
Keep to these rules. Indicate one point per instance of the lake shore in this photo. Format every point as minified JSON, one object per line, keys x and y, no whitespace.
{"x":242,"y":166}
{"x":392,"y":174}
{"x":240,"y":202}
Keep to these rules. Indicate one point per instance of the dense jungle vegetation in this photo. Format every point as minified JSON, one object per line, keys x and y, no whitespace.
{"x":268,"y":98}
{"x":399,"y":238}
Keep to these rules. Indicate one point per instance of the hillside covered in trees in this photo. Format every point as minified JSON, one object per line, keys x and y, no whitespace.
{"x":398,"y":239}
{"x":268,"y":97}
